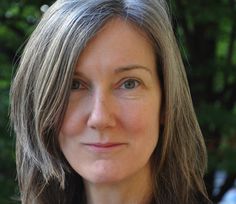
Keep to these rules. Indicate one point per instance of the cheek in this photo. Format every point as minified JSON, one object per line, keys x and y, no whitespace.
{"x":70,"y":124}
{"x":142,"y":118}
{"x":142,"y":130}
{"x":73,"y":120}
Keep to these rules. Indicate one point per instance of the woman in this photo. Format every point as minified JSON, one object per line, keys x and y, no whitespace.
{"x":102,"y":110}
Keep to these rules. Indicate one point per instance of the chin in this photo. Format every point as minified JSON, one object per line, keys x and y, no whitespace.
{"x":103,"y":175}
{"x":102,"y":178}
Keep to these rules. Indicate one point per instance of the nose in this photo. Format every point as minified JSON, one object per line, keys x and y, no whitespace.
{"x":101,"y":115}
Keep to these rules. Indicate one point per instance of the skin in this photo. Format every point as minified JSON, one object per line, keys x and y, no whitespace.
{"x":111,"y":125}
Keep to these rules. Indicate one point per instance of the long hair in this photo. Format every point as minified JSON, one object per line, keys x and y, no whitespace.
{"x":41,"y":87}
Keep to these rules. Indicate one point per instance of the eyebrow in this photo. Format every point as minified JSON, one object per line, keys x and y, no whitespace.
{"x":123,"y":69}
{"x":132,"y":67}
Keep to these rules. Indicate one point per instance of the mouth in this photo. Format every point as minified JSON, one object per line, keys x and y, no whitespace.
{"x":104,"y":147}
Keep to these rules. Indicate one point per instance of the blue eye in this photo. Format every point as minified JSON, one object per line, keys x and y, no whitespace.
{"x":130,"y":84}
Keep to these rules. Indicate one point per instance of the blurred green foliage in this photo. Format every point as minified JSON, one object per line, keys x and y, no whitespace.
{"x":206,"y":33}
{"x":17,"y":20}
{"x":207,"y":30}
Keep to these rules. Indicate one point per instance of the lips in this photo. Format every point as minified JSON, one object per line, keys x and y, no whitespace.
{"x":106,"y":145}
{"x":103,"y":147}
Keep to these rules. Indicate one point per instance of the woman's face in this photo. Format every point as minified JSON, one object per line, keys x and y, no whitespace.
{"x":111,"y":124}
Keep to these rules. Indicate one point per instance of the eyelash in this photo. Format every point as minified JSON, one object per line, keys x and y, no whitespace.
{"x":135,"y":81}
{"x":76,"y":84}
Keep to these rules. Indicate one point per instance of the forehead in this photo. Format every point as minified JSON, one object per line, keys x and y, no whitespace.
{"x":117,"y":43}
{"x":118,"y":27}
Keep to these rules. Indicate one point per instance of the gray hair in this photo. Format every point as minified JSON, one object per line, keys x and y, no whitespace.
{"x":41,"y":87}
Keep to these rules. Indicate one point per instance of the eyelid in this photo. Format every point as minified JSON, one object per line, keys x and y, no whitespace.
{"x":85,"y":85}
{"x":82,"y":83}
{"x":122,"y":81}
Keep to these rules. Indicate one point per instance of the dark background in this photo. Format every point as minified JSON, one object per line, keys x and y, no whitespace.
{"x":206,"y":33}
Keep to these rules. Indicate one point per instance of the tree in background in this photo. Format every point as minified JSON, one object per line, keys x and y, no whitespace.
{"x":206,"y":32}
{"x":17,"y":19}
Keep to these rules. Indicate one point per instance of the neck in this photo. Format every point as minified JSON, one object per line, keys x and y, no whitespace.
{"x":134,"y":190}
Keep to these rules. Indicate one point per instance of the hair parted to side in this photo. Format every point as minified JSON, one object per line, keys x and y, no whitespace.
{"x":41,"y":87}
